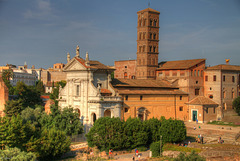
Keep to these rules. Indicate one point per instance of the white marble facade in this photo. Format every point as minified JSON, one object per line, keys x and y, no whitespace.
{"x":88,"y":90}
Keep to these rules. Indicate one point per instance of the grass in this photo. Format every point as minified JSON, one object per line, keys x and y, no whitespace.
{"x":173,"y":147}
{"x":223,"y":123}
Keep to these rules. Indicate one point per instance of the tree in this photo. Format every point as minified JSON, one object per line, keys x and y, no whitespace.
{"x":135,"y":134}
{"x":193,"y":156}
{"x":40,"y":87}
{"x":52,"y":143}
{"x":155,"y":148}
{"x":13,"y":107}
{"x":7,"y":75}
{"x":152,"y":125}
{"x":16,"y":154}
{"x":106,"y":133}
{"x":236,"y":105}
{"x":172,"y":130}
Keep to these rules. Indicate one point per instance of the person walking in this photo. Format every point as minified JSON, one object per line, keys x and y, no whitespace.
{"x":133,"y":158}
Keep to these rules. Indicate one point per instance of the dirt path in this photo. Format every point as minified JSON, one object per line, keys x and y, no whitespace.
{"x":128,"y":157}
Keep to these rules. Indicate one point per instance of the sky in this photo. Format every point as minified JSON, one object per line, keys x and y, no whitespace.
{"x":42,"y":32}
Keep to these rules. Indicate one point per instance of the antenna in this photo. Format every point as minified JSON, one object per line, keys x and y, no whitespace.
{"x":149,"y":4}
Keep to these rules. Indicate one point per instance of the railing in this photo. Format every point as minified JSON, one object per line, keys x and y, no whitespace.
{"x":104,"y":98}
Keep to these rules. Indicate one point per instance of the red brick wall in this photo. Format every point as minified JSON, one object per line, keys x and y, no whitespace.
{"x":125,"y":66}
{"x":3,"y":96}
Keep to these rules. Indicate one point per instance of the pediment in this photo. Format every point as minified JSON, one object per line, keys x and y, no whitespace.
{"x":74,"y":65}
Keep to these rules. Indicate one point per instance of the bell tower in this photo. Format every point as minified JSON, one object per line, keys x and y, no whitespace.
{"x":147,"y":43}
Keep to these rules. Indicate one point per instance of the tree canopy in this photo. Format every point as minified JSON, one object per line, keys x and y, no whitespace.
{"x":236,"y":105}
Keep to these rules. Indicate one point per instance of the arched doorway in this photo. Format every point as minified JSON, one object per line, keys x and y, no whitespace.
{"x":107,"y":113}
{"x":94,"y":117}
{"x":142,"y":113}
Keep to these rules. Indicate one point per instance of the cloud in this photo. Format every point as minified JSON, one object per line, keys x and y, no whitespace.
{"x":42,"y":10}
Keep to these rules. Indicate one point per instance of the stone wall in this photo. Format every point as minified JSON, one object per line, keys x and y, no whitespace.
{"x":3,"y":96}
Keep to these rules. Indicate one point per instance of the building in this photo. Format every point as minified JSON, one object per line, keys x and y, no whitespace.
{"x":221,"y":83}
{"x":125,"y":69}
{"x":148,"y":98}
{"x":3,"y":96}
{"x":88,"y":90}
{"x":187,"y":75}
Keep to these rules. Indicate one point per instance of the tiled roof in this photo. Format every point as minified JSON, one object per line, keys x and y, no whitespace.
{"x":149,"y":10}
{"x":93,"y":64}
{"x":201,"y":100}
{"x":150,"y":91}
{"x":105,"y":91}
{"x":224,"y":67}
{"x":45,"y":96}
{"x":180,"y":64}
{"x":141,"y":83}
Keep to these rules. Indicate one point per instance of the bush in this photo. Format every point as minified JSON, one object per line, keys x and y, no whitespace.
{"x":236,"y":105}
{"x":193,"y":156}
{"x":155,"y":148}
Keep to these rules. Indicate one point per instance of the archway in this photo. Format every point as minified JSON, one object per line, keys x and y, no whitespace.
{"x":94,"y":117}
{"x":142,"y":113}
{"x":107,"y":113}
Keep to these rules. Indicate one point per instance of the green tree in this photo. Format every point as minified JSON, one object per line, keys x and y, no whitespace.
{"x":7,"y":75}
{"x":152,"y":128}
{"x":135,"y":133}
{"x":155,"y":148}
{"x":40,"y":87}
{"x":13,"y":107}
{"x":14,"y":133}
{"x":106,"y":133}
{"x":15,"y":154}
{"x":172,"y":130}
{"x":52,"y":143}
{"x":236,"y":105}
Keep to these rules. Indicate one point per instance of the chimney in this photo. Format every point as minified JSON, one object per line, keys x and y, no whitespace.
{"x":227,"y":61}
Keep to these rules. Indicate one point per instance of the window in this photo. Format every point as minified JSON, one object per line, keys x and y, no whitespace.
{"x":214,"y":110}
{"x":214,"y":78}
{"x":141,"y":97}
{"x":206,"y":78}
{"x":198,"y":73}
{"x":197,"y":92}
{"x":154,"y":36}
{"x":196,"y":82}
{"x":191,"y":72}
{"x":174,"y":73}
{"x":126,"y":97}
{"x":224,"y":78}
{"x":150,"y":22}
{"x":150,"y":36}
{"x":125,"y":75}
{"x":206,"y":110}
{"x":77,"y":92}
{"x":154,"y":49}
{"x":155,"y":23}
{"x":99,"y":85}
{"x":201,"y":73}
{"x":125,"y":66}
{"x":150,"y":48}
{"x":125,"y":109}
{"x":210,"y":96}
{"x":182,"y":73}
{"x":180,"y":98}
{"x":144,"y":35}
{"x":233,"y":79}
{"x":195,"y":72}
{"x":181,"y":108}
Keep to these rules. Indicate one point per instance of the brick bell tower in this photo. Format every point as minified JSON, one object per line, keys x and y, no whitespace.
{"x":147,"y":43}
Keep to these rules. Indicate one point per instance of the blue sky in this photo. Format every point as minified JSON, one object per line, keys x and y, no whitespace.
{"x":41,"y":32}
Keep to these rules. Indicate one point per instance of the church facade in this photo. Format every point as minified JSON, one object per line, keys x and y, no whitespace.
{"x":88,"y":90}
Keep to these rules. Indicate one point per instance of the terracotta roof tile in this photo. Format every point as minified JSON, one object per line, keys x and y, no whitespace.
{"x":180,"y":64}
{"x":201,"y":100}
{"x":224,"y":67}
{"x":150,"y":91}
{"x":93,"y":64}
{"x":105,"y":91}
{"x":141,"y":83}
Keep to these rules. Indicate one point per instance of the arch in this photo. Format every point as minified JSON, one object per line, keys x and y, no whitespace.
{"x":93,"y":117}
{"x":107,"y":113}
{"x":142,"y":113}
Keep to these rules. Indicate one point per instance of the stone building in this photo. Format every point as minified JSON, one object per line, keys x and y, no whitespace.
{"x":3,"y":96}
{"x":221,"y":84}
{"x":88,"y":90}
{"x":187,"y":75}
{"x":125,"y":69}
{"x":148,"y":98}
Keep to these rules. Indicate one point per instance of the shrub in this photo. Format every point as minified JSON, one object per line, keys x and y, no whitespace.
{"x":236,"y":105}
{"x":155,"y":148}
{"x":192,"y":156}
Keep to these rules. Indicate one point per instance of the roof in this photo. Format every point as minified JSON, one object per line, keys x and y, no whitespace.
{"x":141,"y":83}
{"x":93,"y":64}
{"x":151,"y":91}
{"x":224,"y":67}
{"x":180,"y":64}
{"x":149,"y":10}
{"x":105,"y":91}
{"x":201,"y":100}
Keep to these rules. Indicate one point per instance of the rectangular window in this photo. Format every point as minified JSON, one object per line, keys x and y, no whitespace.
{"x":197,"y":92}
{"x":224,"y":78}
{"x":160,"y":74}
{"x":233,"y":79}
{"x":125,"y":109}
{"x":182,"y":73}
{"x":195,"y":72}
{"x":166,"y":73}
{"x":214,"y":78}
{"x":181,"y":108}
{"x":141,"y":97}
{"x":180,"y":98}
{"x":206,"y":78}
{"x":126,"y":97}
{"x":174,"y":73}
{"x":214,"y":110}
{"x":198,"y":73}
{"x":77,"y":92}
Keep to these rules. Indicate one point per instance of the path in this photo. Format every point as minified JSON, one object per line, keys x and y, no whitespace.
{"x":128,"y":157}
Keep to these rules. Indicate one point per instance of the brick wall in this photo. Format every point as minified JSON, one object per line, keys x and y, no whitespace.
{"x":3,"y":96}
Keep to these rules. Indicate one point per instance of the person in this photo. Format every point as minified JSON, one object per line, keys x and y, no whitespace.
{"x":133,"y":158}
{"x":196,"y":121}
{"x":201,"y":138}
{"x":110,"y":153}
{"x":136,"y":152}
{"x":138,"y":157}
{"x":194,"y":128}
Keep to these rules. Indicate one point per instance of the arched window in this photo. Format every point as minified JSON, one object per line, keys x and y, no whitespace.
{"x":150,"y":37}
{"x":107,"y":113}
{"x":94,"y":117}
{"x":142,"y":113}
